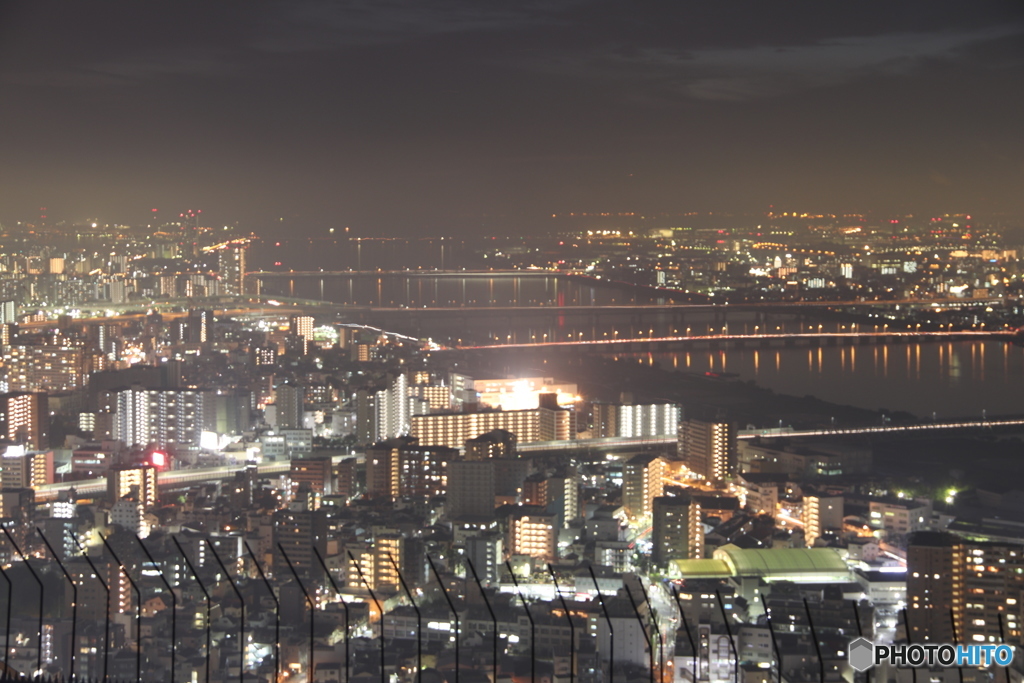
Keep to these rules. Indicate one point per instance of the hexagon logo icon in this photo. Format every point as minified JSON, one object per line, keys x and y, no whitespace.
{"x":861,"y":654}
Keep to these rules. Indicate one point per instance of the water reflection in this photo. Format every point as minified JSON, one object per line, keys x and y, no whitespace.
{"x":952,"y":379}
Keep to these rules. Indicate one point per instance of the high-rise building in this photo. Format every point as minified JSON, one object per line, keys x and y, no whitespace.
{"x":289,"y":400}
{"x":346,"y":478}
{"x":25,"y":469}
{"x":402,"y":468}
{"x":53,"y":365}
{"x":298,"y":532}
{"x":301,"y":326}
{"x":200,"y":326}
{"x":470,"y":489}
{"x":264,"y":355}
{"x":134,"y":481}
{"x":165,"y":418}
{"x":980,"y":584}
{"x":498,"y":444}
{"x":231,"y":267}
{"x":377,"y":561}
{"x":643,"y":480}
{"x":535,"y":490}
{"x":423,"y":470}
{"x":366,"y":417}
{"x":316,"y":473}
{"x":557,"y":492}
{"x":533,"y":532}
{"x":454,"y":429}
{"x":821,"y":514}
{"x":485,"y":551}
{"x":645,"y":420}
{"x":394,"y":410}
{"x":935,"y":586}
{"x":17,"y":503}
{"x":708,"y":449}
{"x":129,"y":515}
{"x":25,"y":418}
{"x":564,"y":495}
{"x":993,"y":592}
{"x":678,"y":533}
{"x":435,"y":397}
{"x":383,"y":466}
{"x":8,"y":312}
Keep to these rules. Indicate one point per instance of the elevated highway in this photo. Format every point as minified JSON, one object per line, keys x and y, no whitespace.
{"x":170,"y":480}
{"x":180,"y":478}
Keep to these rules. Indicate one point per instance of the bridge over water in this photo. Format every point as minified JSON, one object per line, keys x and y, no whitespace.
{"x":759,"y":341}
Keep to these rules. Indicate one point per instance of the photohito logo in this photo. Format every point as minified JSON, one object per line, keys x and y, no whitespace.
{"x":863,"y":654}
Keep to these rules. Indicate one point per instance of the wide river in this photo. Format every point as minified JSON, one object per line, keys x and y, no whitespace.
{"x":957,"y":379}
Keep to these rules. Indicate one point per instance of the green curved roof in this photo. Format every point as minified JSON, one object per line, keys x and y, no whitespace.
{"x":782,"y":562}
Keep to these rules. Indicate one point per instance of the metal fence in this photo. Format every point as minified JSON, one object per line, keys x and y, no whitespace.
{"x":655,"y":640}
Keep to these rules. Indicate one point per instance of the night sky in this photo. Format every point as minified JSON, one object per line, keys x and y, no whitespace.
{"x":426,"y":117}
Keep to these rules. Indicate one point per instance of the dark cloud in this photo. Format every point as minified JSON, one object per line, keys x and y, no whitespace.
{"x":400,"y":115}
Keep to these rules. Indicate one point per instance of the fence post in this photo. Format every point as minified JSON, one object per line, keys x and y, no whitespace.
{"x":380,"y":610}
{"x":657,"y":630}
{"x":643,"y":629}
{"x":572,"y":627}
{"x":138,"y":609}
{"x":277,"y":612}
{"x":39,"y":658}
{"x":74,"y":599}
{"x":241,"y":602}
{"x":732,"y":641}
{"x":419,"y":616}
{"x":494,"y":618}
{"x":771,"y":630}
{"x":455,"y":614}
{"x":209,"y":604}
{"x":533,"y":634}
{"x":348,"y":635}
{"x":174,"y":603}
{"x":106,"y":624}
{"x":817,"y":645}
{"x":608,"y":621}
{"x":312,"y":613}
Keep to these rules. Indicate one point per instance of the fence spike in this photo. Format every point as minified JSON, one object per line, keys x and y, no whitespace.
{"x":533,"y":635}
{"x":74,"y":598}
{"x":174,"y":603}
{"x":106,"y":625}
{"x":494,"y":619}
{"x":344,"y":604}
{"x":277,"y":612}
{"x":138,"y":609}
{"x":241,"y":602}
{"x":444,"y":592}
{"x":312,"y":613}
{"x":209,"y":604}
{"x":380,"y":610}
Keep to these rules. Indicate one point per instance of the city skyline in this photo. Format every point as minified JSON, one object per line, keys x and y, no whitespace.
{"x":562,"y":340}
{"x":448,"y":118}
